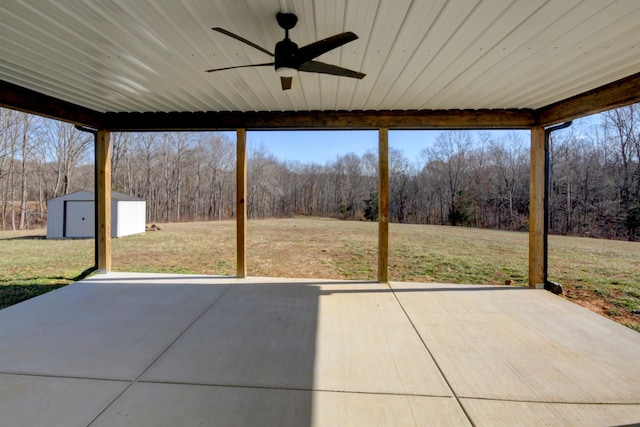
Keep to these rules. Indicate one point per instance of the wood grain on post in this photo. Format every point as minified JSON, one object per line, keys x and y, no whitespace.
{"x":241,"y":204}
{"x":103,"y":200}
{"x":536,"y":208}
{"x":383,"y":205}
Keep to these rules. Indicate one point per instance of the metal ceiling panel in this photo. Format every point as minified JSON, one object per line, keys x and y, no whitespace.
{"x":146,"y":55}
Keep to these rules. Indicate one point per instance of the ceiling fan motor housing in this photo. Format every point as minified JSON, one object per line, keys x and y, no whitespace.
{"x":285,"y":54}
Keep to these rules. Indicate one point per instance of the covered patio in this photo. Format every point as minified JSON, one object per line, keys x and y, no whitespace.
{"x":483,"y":64}
{"x":154,"y":349}
{"x":126,"y":349}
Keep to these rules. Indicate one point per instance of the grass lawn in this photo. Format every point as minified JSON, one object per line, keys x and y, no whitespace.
{"x":601,"y":275}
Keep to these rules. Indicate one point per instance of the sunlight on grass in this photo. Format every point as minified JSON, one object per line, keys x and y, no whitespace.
{"x":30,"y":265}
{"x":607,"y":272}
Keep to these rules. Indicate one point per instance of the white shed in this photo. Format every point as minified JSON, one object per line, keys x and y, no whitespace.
{"x":73,"y":215}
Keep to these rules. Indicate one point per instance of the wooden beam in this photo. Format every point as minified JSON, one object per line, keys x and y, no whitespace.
{"x":18,"y":98}
{"x":103,"y":200}
{"x":241,"y":203}
{"x":613,"y":95}
{"x":617,"y":94}
{"x":22,"y":99}
{"x":383,"y":205}
{"x":536,"y":208}
{"x":326,"y":120}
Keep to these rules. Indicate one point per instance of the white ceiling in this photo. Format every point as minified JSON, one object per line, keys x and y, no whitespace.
{"x":150,"y":55}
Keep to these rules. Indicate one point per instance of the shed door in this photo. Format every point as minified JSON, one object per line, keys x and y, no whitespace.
{"x":79,"y":218}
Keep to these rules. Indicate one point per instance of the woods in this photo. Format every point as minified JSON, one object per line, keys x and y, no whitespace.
{"x":477,"y":179}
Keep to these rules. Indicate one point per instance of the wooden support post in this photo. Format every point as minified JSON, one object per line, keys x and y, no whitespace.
{"x":241,"y":205}
{"x":103,"y":200}
{"x":537,"y":215}
{"x":383,"y":205}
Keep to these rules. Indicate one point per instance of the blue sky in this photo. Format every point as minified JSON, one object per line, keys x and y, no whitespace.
{"x":324,"y":146}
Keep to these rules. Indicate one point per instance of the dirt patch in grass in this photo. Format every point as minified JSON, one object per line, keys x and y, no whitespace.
{"x":605,"y":306}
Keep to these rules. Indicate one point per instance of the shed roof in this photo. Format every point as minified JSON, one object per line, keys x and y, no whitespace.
{"x":504,"y":63}
{"x":90,"y":195}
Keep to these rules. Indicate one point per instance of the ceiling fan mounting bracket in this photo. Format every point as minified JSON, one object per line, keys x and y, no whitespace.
{"x":286,"y":20}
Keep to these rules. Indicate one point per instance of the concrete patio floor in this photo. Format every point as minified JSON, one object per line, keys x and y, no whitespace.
{"x":126,"y":349}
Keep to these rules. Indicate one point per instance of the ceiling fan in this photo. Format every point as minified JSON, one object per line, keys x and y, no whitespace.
{"x":289,"y":58}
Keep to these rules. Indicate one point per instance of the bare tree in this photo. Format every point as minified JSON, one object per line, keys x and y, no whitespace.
{"x":10,"y":133}
{"x":623,"y":129}
{"x":26,"y":122}
{"x":508,"y":159}
{"x":448,"y":163}
{"x":264,"y":191}
{"x":69,"y":147}
{"x":402,"y":186}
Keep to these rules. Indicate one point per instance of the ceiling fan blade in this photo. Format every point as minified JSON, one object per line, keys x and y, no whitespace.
{"x":286,"y":82}
{"x":321,"y":67}
{"x":313,"y":50}
{"x":240,"y":66}
{"x":242,"y":39}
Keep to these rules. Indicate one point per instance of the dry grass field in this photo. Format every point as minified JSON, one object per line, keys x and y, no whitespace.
{"x":599,"y":274}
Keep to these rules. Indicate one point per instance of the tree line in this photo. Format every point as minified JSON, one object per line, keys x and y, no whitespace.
{"x":464,"y":178}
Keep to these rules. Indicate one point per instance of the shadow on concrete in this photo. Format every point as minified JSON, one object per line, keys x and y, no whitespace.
{"x":13,"y":294}
{"x":249,"y":357}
